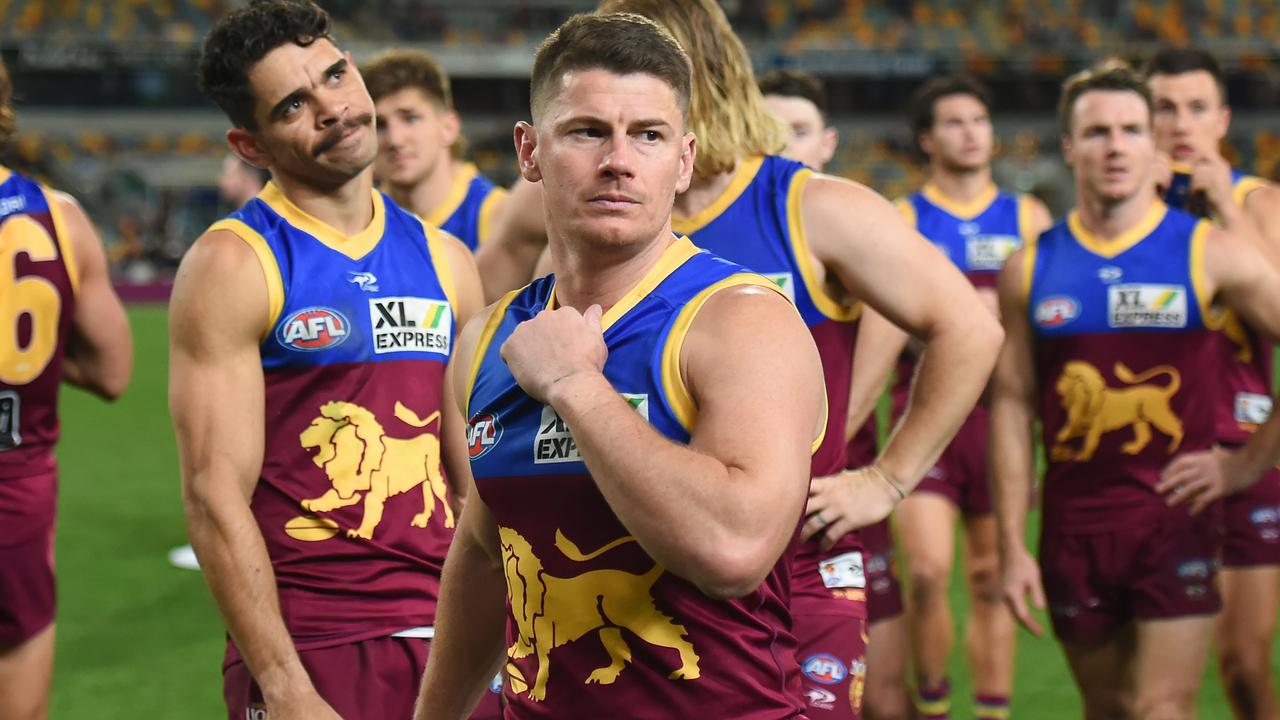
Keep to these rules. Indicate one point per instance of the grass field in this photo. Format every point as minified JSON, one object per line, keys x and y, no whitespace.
{"x":140,"y":639}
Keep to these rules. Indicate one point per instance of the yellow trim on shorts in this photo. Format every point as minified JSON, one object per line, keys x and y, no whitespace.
{"x":803,"y":259}
{"x":63,"y":237}
{"x":270,"y":267}
{"x":1199,"y":281}
{"x":484,"y":219}
{"x":674,"y":388}
{"x":457,"y":193}
{"x":482,"y":347}
{"x":742,"y":177}
{"x":1125,"y":240}
{"x":353,"y":246}
{"x":1244,"y":186}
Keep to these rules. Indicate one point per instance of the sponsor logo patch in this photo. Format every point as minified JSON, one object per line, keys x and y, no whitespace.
{"x":988,"y":252}
{"x":409,"y":324}
{"x":554,"y":442}
{"x":820,"y":698}
{"x":1252,"y":408}
{"x":1057,"y":311}
{"x":1142,"y":305}
{"x":843,"y":571}
{"x":483,"y":433}
{"x":1110,"y":274}
{"x":366,"y":281}
{"x":313,"y":329}
{"x":1194,"y":570}
{"x":824,"y":669}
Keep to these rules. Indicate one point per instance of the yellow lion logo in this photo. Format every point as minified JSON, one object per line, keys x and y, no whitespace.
{"x":550,"y":611}
{"x":1093,"y":409}
{"x":359,"y":458}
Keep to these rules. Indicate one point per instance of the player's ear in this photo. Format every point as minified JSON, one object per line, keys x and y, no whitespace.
{"x":247,"y":147}
{"x":1067,"y":150}
{"x":526,"y":138}
{"x":830,"y":139}
{"x":688,"y":153}
{"x":450,"y":126}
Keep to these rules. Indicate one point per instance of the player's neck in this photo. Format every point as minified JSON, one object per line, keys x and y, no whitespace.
{"x":701,"y":193}
{"x":963,"y":186}
{"x":346,"y":208}
{"x":596,"y":275}
{"x":1108,"y":218}
{"x":424,"y":198}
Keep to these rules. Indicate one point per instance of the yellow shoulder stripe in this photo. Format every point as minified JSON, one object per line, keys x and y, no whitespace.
{"x":66,"y":245}
{"x":484,"y":222}
{"x":827,"y":305}
{"x":1199,"y":281}
{"x":1244,"y":186}
{"x":482,"y":346}
{"x":440,"y":260}
{"x":908,"y":211}
{"x":270,"y":268}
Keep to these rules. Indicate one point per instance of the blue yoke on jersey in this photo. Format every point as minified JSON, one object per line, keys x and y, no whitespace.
{"x":467,"y":210}
{"x":977,"y":236}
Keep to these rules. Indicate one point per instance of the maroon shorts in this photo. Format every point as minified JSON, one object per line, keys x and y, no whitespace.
{"x":884,"y":593}
{"x":370,"y":680}
{"x":960,"y":474}
{"x":1252,"y":520}
{"x":832,"y":650}
{"x":27,"y":596}
{"x":1096,"y":583}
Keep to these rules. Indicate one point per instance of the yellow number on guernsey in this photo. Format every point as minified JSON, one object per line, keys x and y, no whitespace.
{"x":33,"y":296}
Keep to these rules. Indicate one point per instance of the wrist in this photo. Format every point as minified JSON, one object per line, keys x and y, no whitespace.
{"x":284,"y":683}
{"x":896,"y":490}
{"x":568,"y":389}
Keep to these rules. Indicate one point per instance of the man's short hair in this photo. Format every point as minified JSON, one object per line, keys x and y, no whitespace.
{"x":621,"y":43}
{"x":238,"y":41}
{"x":1110,"y":74}
{"x":397,"y":70}
{"x":8,"y":121}
{"x":1177,"y":61}
{"x":926,"y":97}
{"x":796,"y":83}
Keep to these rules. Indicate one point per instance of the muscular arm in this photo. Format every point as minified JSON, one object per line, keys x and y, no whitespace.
{"x":453,"y":427}
{"x":719,"y":511}
{"x":506,"y":261}
{"x":895,"y":271}
{"x":99,"y":353}
{"x":879,"y":345}
{"x":469,"y":640}
{"x":1263,"y":218}
{"x":1012,"y":417}
{"x":216,"y":398}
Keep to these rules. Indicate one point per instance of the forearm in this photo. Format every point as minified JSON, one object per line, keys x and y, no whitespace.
{"x":1261,"y":452}
{"x":468,"y":646}
{"x":1012,"y":467}
{"x":234,"y":562}
{"x":106,"y":374}
{"x":952,"y":374}
{"x":879,"y":345}
{"x":699,"y":518}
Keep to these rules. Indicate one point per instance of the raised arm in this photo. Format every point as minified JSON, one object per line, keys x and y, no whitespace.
{"x":882,"y":261}
{"x":99,"y":353}
{"x":217,"y":317}
{"x":1013,"y":415}
{"x":469,"y":641}
{"x":507,"y":259}
{"x":720,"y":511}
{"x":1236,"y":272}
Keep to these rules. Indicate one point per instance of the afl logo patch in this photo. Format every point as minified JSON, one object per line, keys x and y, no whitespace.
{"x":483,"y":432}
{"x":313,"y":329}
{"x":1056,"y":311}
{"x":825,"y":669}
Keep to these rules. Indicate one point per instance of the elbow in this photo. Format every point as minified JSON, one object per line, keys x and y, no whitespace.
{"x":113,"y":385}
{"x":736,"y":573}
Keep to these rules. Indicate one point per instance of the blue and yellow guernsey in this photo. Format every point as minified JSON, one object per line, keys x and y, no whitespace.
{"x":467,"y":211}
{"x":594,"y":623}
{"x":352,"y":501}
{"x":756,"y":223}
{"x":1126,"y":362}
{"x":1247,"y":376}
{"x":976,"y":236}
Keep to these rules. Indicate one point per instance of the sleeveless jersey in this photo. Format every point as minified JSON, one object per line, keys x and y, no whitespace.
{"x":468,"y":208}
{"x":756,"y":223}
{"x":1246,"y":381}
{"x":38,"y":283}
{"x":1126,"y":366}
{"x":976,"y":236}
{"x":351,"y":501}
{"x":594,"y":625}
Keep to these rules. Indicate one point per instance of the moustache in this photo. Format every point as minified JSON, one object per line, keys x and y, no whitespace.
{"x":333,"y":136}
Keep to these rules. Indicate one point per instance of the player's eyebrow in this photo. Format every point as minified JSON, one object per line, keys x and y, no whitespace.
{"x":278,"y":109}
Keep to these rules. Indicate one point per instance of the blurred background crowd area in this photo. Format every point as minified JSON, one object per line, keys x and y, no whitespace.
{"x":108,"y":107}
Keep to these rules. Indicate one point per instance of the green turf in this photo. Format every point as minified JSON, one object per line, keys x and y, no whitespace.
{"x":140,"y":639}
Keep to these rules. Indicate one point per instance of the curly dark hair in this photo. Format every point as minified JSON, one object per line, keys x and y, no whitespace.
{"x":788,"y":82}
{"x":242,"y":38}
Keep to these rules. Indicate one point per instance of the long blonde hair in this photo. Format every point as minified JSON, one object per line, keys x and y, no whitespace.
{"x":8,"y":123}
{"x":726,"y":110}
